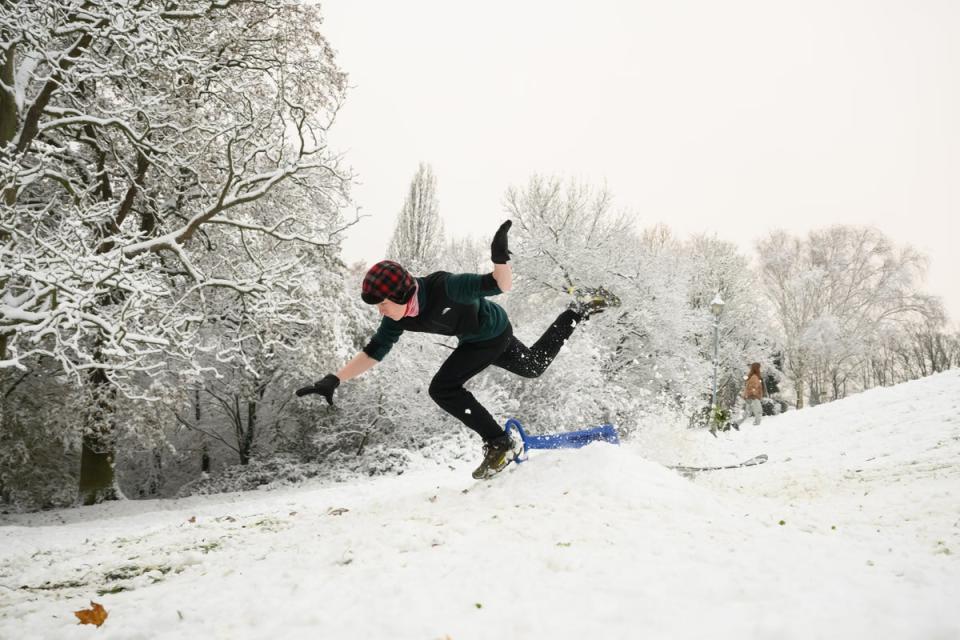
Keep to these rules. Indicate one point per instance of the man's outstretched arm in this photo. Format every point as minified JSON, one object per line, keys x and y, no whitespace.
{"x":329,"y":383}
{"x":357,"y":365}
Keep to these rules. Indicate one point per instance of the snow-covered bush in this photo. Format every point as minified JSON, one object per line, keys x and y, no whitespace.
{"x":39,"y":456}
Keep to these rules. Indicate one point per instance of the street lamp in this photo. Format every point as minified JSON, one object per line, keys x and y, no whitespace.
{"x":716,"y":308}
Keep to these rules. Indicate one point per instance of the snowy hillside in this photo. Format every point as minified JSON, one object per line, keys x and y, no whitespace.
{"x":851,"y":530}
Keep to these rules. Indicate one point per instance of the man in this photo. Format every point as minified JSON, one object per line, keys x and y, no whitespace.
{"x":457,"y":305}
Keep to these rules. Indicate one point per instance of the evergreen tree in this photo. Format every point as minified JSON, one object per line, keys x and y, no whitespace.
{"x":417,"y":241}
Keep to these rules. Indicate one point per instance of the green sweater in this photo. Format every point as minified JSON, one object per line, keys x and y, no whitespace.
{"x":450,"y":305}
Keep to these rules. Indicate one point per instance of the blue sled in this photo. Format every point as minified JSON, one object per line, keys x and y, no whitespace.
{"x":571,"y":440}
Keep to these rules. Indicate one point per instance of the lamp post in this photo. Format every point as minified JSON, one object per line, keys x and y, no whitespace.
{"x":716,"y":308}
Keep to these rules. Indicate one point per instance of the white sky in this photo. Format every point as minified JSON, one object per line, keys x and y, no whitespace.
{"x":731,"y":118}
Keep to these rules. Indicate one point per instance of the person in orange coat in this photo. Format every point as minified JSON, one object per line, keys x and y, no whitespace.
{"x":752,"y":393}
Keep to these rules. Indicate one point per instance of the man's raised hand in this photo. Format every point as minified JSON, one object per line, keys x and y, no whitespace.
{"x":499,"y":253}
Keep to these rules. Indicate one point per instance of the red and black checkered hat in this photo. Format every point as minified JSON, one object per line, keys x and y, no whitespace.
{"x":389,"y":280}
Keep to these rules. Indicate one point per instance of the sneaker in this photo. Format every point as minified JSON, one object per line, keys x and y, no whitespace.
{"x":588,"y":301}
{"x":497,"y":454}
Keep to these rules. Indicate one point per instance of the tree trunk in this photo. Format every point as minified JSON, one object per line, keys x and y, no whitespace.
{"x":97,"y":480}
{"x":156,"y":474}
{"x":204,"y":450}
{"x":246,"y":438}
{"x":799,"y":385}
{"x":96,"y":472}
{"x":8,"y":105}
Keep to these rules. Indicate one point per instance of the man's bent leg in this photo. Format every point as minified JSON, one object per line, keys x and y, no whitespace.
{"x":446,"y":388}
{"x":533,"y":361}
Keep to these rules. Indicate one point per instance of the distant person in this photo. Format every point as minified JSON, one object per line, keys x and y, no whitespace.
{"x":456,"y":305}
{"x":752,"y":393}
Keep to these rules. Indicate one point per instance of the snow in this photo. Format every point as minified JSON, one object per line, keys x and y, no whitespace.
{"x":603,"y":541}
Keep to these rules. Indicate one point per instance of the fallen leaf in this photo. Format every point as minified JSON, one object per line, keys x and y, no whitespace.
{"x":293,"y":513}
{"x":337,"y":512}
{"x":96,"y":614}
{"x":192,"y":519}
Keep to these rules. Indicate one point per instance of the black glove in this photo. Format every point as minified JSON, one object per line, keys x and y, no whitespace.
{"x":499,"y":253}
{"x":324,"y":387}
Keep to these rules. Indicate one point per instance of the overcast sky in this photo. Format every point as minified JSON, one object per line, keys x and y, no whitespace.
{"x":732,"y":118}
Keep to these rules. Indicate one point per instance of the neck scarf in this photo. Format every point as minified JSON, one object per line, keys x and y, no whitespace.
{"x":413,"y":307}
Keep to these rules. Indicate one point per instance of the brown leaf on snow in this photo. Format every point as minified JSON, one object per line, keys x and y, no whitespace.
{"x":96,"y":614}
{"x":192,"y":519}
{"x":339,"y":511}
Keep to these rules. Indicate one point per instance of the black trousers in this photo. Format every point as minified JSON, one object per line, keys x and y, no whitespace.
{"x":504,"y":351}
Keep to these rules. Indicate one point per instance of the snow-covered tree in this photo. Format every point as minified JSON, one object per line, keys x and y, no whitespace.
{"x":746,"y":333}
{"x":567,"y":234}
{"x":466,"y":255}
{"x":417,"y":241}
{"x":908,"y":352}
{"x":836,"y":293}
{"x":792,"y":285}
{"x":127,"y":131}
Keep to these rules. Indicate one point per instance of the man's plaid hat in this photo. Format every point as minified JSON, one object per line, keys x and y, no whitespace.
{"x":389,"y":280}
